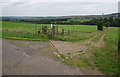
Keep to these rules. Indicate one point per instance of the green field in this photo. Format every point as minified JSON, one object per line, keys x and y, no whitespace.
{"x":14,"y":30}
{"x":104,"y":59}
{"x":28,"y":27}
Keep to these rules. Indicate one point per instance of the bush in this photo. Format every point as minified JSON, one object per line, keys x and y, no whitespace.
{"x":99,"y":25}
{"x":106,"y":24}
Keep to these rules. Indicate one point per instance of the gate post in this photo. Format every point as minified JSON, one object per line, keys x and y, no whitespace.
{"x":53,"y":31}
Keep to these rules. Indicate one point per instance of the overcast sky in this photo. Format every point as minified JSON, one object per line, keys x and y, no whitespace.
{"x":57,"y":7}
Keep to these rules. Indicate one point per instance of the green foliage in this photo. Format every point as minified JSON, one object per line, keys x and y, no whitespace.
{"x":100,"y":25}
{"x":106,"y":24}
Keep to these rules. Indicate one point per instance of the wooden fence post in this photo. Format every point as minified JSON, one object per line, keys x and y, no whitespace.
{"x":63,"y":31}
{"x":53,"y":31}
{"x":68,"y":32}
{"x":57,"y":29}
{"x":44,"y":29}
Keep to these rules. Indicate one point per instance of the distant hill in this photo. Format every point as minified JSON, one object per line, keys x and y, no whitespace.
{"x":115,"y":15}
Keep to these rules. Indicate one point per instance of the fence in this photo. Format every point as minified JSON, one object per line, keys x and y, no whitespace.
{"x":54,"y":31}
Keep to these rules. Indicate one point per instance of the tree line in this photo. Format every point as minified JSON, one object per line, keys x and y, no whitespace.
{"x":111,"y":21}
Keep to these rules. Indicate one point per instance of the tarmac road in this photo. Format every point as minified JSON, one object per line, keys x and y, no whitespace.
{"x":27,"y":58}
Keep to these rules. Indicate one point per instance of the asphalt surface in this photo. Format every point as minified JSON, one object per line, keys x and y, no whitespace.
{"x":28,"y":58}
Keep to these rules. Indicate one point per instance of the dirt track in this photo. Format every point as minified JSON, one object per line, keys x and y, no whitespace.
{"x":73,"y":49}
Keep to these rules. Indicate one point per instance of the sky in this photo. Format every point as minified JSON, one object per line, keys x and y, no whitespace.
{"x":57,"y":7}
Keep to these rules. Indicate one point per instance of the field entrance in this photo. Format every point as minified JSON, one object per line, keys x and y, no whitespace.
{"x":76,"y":48}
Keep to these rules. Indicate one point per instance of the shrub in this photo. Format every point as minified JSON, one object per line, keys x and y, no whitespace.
{"x":106,"y":24}
{"x":99,"y":25}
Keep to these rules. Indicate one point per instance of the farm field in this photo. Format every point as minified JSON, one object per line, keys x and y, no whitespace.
{"x":30,"y":27}
{"x":100,"y":47}
{"x":15,"y":30}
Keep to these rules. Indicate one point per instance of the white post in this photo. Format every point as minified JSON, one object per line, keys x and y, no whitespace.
{"x":51,"y":25}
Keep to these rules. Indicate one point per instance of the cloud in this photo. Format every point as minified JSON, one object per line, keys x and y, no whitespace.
{"x":60,"y":1}
{"x":18,"y":7}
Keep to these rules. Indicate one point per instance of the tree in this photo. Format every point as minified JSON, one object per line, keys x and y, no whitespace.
{"x":105,"y":20}
{"x":111,"y":21}
{"x":99,"y":25}
{"x":106,"y":24}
